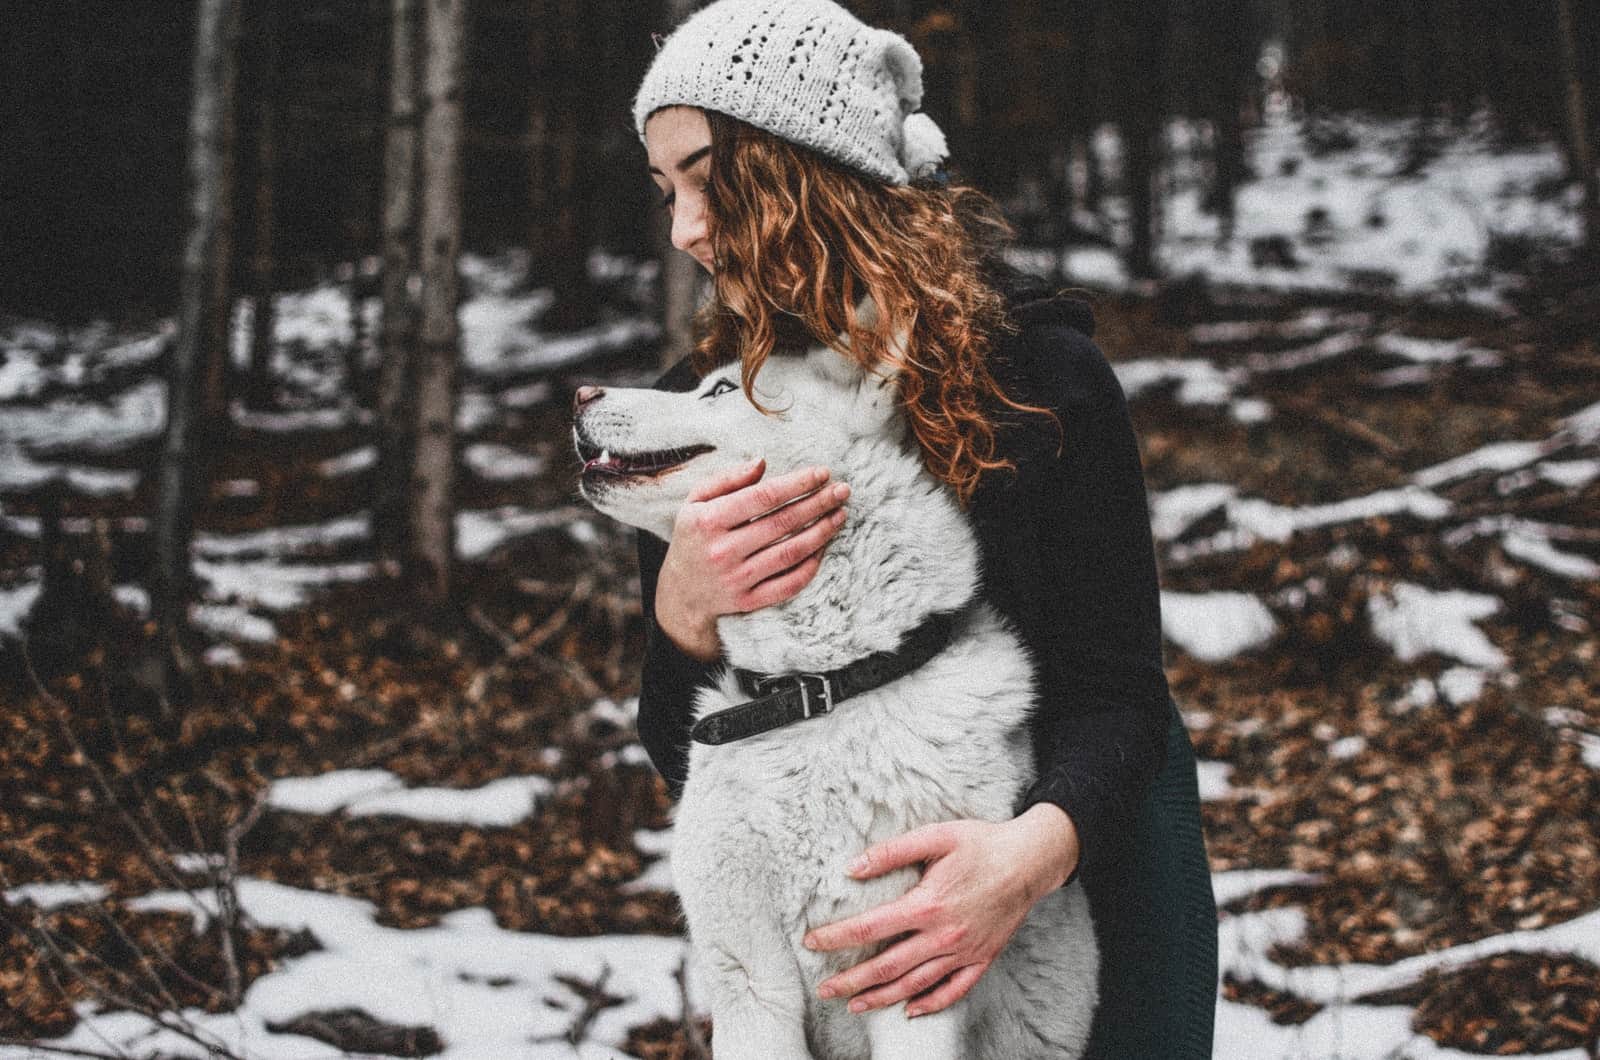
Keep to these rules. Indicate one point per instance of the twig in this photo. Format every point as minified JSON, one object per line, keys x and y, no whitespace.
{"x":595,"y":1000}
{"x":225,"y":881}
{"x":1341,"y":424}
{"x":696,"y":1042}
{"x":154,"y":855}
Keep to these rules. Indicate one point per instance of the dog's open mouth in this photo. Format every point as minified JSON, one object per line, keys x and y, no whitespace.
{"x":598,"y":461}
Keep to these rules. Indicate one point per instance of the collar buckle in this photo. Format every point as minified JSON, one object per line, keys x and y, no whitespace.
{"x":809,"y":694}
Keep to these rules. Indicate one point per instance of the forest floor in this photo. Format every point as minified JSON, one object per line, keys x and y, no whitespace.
{"x":1379,"y":531}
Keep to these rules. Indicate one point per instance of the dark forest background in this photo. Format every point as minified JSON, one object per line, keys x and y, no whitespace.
{"x":94,"y":96}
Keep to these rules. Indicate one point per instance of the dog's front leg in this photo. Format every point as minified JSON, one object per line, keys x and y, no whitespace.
{"x":935,"y":1036}
{"x":757,"y":1001}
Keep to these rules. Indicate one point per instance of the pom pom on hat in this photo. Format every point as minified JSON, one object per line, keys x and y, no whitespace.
{"x":923,"y":148}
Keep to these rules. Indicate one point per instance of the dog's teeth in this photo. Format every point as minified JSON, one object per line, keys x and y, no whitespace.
{"x":605,"y":456}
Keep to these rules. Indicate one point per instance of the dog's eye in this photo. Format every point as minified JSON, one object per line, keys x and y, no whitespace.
{"x":721,"y":386}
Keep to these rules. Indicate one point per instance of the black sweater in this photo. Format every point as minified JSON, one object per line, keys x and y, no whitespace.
{"x":1067,"y":557}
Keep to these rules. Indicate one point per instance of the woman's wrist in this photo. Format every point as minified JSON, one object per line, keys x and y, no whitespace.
{"x":1055,"y":839}
{"x":697,"y":640}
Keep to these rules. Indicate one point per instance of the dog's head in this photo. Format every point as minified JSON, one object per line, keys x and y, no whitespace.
{"x":644,"y":451}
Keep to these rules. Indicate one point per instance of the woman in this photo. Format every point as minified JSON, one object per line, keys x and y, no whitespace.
{"x":784,"y":138}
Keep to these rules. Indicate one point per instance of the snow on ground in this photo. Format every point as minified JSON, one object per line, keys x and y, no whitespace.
{"x":487,"y":991}
{"x":54,"y":895}
{"x":368,"y":792}
{"x":1216,"y":626}
{"x":1414,"y":621}
{"x":503,"y":463}
{"x":1346,"y":217}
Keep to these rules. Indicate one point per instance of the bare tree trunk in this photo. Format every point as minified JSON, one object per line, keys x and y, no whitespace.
{"x":397,"y":440}
{"x":680,"y":274}
{"x":217,"y":333}
{"x":202,"y":318}
{"x":263,"y":266}
{"x":432,"y":509}
{"x":1579,"y":159}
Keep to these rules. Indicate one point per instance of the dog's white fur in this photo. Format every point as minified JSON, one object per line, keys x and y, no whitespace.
{"x":767,"y":824}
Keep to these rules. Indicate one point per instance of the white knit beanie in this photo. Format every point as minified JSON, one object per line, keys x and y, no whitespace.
{"x":808,"y":71}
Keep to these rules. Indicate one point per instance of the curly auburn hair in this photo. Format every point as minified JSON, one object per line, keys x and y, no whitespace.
{"x":798,"y":239}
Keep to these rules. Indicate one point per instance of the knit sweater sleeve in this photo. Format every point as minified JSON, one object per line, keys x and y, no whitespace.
{"x":1093,"y":612}
{"x":669,"y":677}
{"x":668,"y":681}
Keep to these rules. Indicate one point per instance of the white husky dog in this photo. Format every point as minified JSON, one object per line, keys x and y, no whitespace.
{"x":767,"y":823}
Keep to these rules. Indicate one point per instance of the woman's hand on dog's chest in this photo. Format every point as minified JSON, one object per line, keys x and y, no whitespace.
{"x":981,"y":879}
{"x":742,"y":543}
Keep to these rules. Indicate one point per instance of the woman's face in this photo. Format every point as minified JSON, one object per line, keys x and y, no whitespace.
{"x":678,"y":142}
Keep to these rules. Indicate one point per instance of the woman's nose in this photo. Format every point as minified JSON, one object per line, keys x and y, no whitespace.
{"x":585,"y":395}
{"x":688,"y":228}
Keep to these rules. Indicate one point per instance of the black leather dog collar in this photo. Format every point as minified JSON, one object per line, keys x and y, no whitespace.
{"x":783,"y":699}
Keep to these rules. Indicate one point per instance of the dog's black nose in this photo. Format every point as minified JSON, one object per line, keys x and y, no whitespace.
{"x":585,"y":395}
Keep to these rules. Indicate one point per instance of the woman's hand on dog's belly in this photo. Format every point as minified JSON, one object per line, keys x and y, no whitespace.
{"x":980,"y":881}
{"x":738,"y":545}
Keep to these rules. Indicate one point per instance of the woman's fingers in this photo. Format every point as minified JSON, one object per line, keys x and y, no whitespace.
{"x":923,"y":977}
{"x":953,"y":990}
{"x":782,"y":586}
{"x":792,"y":550}
{"x":911,"y":848}
{"x":912,"y":911}
{"x":750,"y":538}
{"x":728,"y":481}
{"x":910,"y":955}
{"x":743,"y":505}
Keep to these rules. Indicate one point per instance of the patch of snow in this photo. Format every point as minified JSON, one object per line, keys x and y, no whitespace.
{"x":293,"y":421}
{"x":523,"y":397}
{"x":1422,"y":692}
{"x":1435,"y":351}
{"x":1347,"y":747}
{"x":1199,"y":381}
{"x":328,"y":792}
{"x":1538,"y":551}
{"x":15,"y":603}
{"x":223,"y":655}
{"x":1214,"y":779}
{"x":1249,"y":410}
{"x":232,"y":621}
{"x":480,"y":532}
{"x":370,"y":792}
{"x":1328,"y":348}
{"x":658,"y":875}
{"x":1233,"y":885}
{"x":502,"y":463}
{"x":1462,"y":684}
{"x":19,"y":471}
{"x":318,"y":318}
{"x":1496,"y":456}
{"x":285,"y":540}
{"x":497,"y":804}
{"x":1414,"y":621}
{"x":1216,"y":626}
{"x":349,"y":462}
{"x":1274,"y":522}
{"x":1569,"y":474}
{"x":137,"y":414}
{"x":273,"y":585}
{"x":1174,"y":511}
{"x":1583,"y":425}
{"x":56,"y":895}
{"x":476,"y":410}
{"x":524,"y":352}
